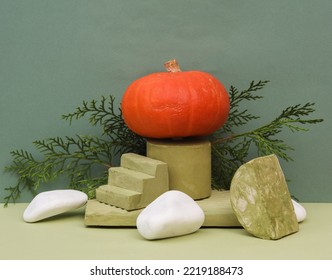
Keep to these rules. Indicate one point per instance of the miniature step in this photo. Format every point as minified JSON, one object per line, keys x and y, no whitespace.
{"x":136,"y":183}
{"x":118,"y":197}
{"x":128,"y":179}
{"x":141,"y":164}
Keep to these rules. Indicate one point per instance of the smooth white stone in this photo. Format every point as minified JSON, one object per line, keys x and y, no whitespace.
{"x":300,"y":211}
{"x":51,"y":203}
{"x":174,"y":213}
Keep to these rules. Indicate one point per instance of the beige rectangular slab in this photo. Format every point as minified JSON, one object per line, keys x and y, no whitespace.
{"x":217,"y":209}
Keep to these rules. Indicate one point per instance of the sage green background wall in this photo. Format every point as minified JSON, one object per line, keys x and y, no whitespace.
{"x":55,"y":54}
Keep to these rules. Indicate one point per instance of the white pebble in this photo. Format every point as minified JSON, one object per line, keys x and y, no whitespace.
{"x":300,"y":211}
{"x":174,"y":213}
{"x":51,"y":203}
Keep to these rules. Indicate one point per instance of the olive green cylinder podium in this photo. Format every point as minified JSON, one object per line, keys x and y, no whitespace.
{"x":189,"y":164}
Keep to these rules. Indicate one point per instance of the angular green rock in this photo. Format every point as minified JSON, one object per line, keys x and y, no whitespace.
{"x":261,"y":201}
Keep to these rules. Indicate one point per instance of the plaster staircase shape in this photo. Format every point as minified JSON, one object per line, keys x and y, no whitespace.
{"x":136,"y":183}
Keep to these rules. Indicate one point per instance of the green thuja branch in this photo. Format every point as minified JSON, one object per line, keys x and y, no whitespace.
{"x":103,"y":113}
{"x":238,"y":117}
{"x":83,"y":160}
{"x":72,"y":157}
{"x":230,"y":150}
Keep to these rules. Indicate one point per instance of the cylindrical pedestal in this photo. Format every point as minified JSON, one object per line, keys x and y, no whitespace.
{"x":189,"y":164}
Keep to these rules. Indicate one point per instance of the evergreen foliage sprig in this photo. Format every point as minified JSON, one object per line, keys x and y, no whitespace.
{"x":230,"y":149}
{"x":84,"y":160}
{"x":238,"y":116}
{"x":103,"y":113}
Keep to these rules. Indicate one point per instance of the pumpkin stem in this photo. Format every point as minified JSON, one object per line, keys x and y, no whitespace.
{"x":172,"y":66}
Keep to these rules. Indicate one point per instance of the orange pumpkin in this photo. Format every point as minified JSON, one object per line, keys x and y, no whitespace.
{"x":175,"y":104}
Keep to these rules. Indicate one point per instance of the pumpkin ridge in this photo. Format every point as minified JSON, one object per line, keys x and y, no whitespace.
{"x":190,"y":119}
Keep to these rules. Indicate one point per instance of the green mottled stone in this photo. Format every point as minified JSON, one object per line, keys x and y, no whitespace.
{"x":261,"y":200}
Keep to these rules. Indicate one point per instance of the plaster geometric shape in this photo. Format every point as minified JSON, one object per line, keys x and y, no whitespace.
{"x":135,"y":184}
{"x":189,"y":164}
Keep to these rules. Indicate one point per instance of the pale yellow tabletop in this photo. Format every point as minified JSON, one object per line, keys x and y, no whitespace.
{"x":66,"y":237}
